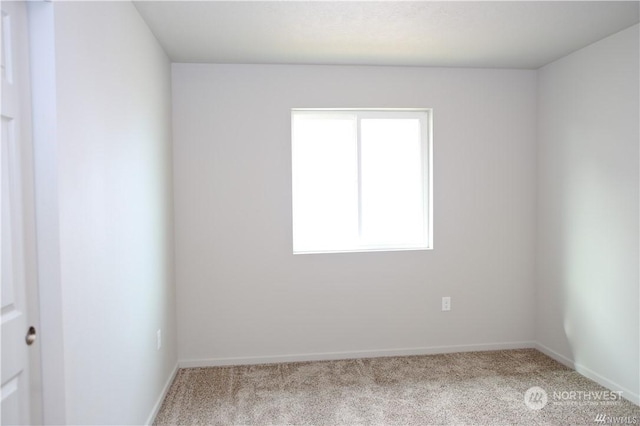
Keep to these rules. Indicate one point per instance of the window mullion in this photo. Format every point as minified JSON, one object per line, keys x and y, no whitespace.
{"x":359,"y":165}
{"x":424,"y":155}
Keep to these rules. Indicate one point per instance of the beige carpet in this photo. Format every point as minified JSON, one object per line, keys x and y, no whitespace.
{"x":462,"y":388}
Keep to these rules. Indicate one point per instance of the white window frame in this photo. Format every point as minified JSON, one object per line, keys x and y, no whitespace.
{"x":425,"y":117}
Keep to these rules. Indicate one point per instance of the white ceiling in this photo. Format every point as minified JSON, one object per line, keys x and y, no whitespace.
{"x":511,"y":34}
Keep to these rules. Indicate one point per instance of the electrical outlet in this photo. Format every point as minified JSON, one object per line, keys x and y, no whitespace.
{"x":446,"y":303}
{"x":159,"y":338}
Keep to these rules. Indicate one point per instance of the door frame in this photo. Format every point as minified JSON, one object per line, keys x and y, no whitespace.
{"x":45,"y":146}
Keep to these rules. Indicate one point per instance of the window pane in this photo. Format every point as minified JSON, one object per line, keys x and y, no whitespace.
{"x":392,"y":182}
{"x":325,"y":189}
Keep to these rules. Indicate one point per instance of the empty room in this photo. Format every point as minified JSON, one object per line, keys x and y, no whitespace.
{"x":320,"y":212}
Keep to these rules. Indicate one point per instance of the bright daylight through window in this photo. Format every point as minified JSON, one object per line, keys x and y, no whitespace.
{"x":361,"y":180}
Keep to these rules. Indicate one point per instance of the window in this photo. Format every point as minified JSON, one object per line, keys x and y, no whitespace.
{"x":361,"y":180}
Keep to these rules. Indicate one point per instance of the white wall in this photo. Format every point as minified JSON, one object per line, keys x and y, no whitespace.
{"x":113,"y":162}
{"x":243,"y":297}
{"x":587,"y":256}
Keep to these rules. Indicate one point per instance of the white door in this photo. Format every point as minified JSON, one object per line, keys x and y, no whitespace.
{"x":17,"y":234}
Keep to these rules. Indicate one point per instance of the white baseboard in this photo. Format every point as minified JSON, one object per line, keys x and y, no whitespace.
{"x":165,"y":389}
{"x":326,"y":356}
{"x":588,"y":373}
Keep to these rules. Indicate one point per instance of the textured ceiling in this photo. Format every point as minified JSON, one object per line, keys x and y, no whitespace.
{"x":515,"y":34}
